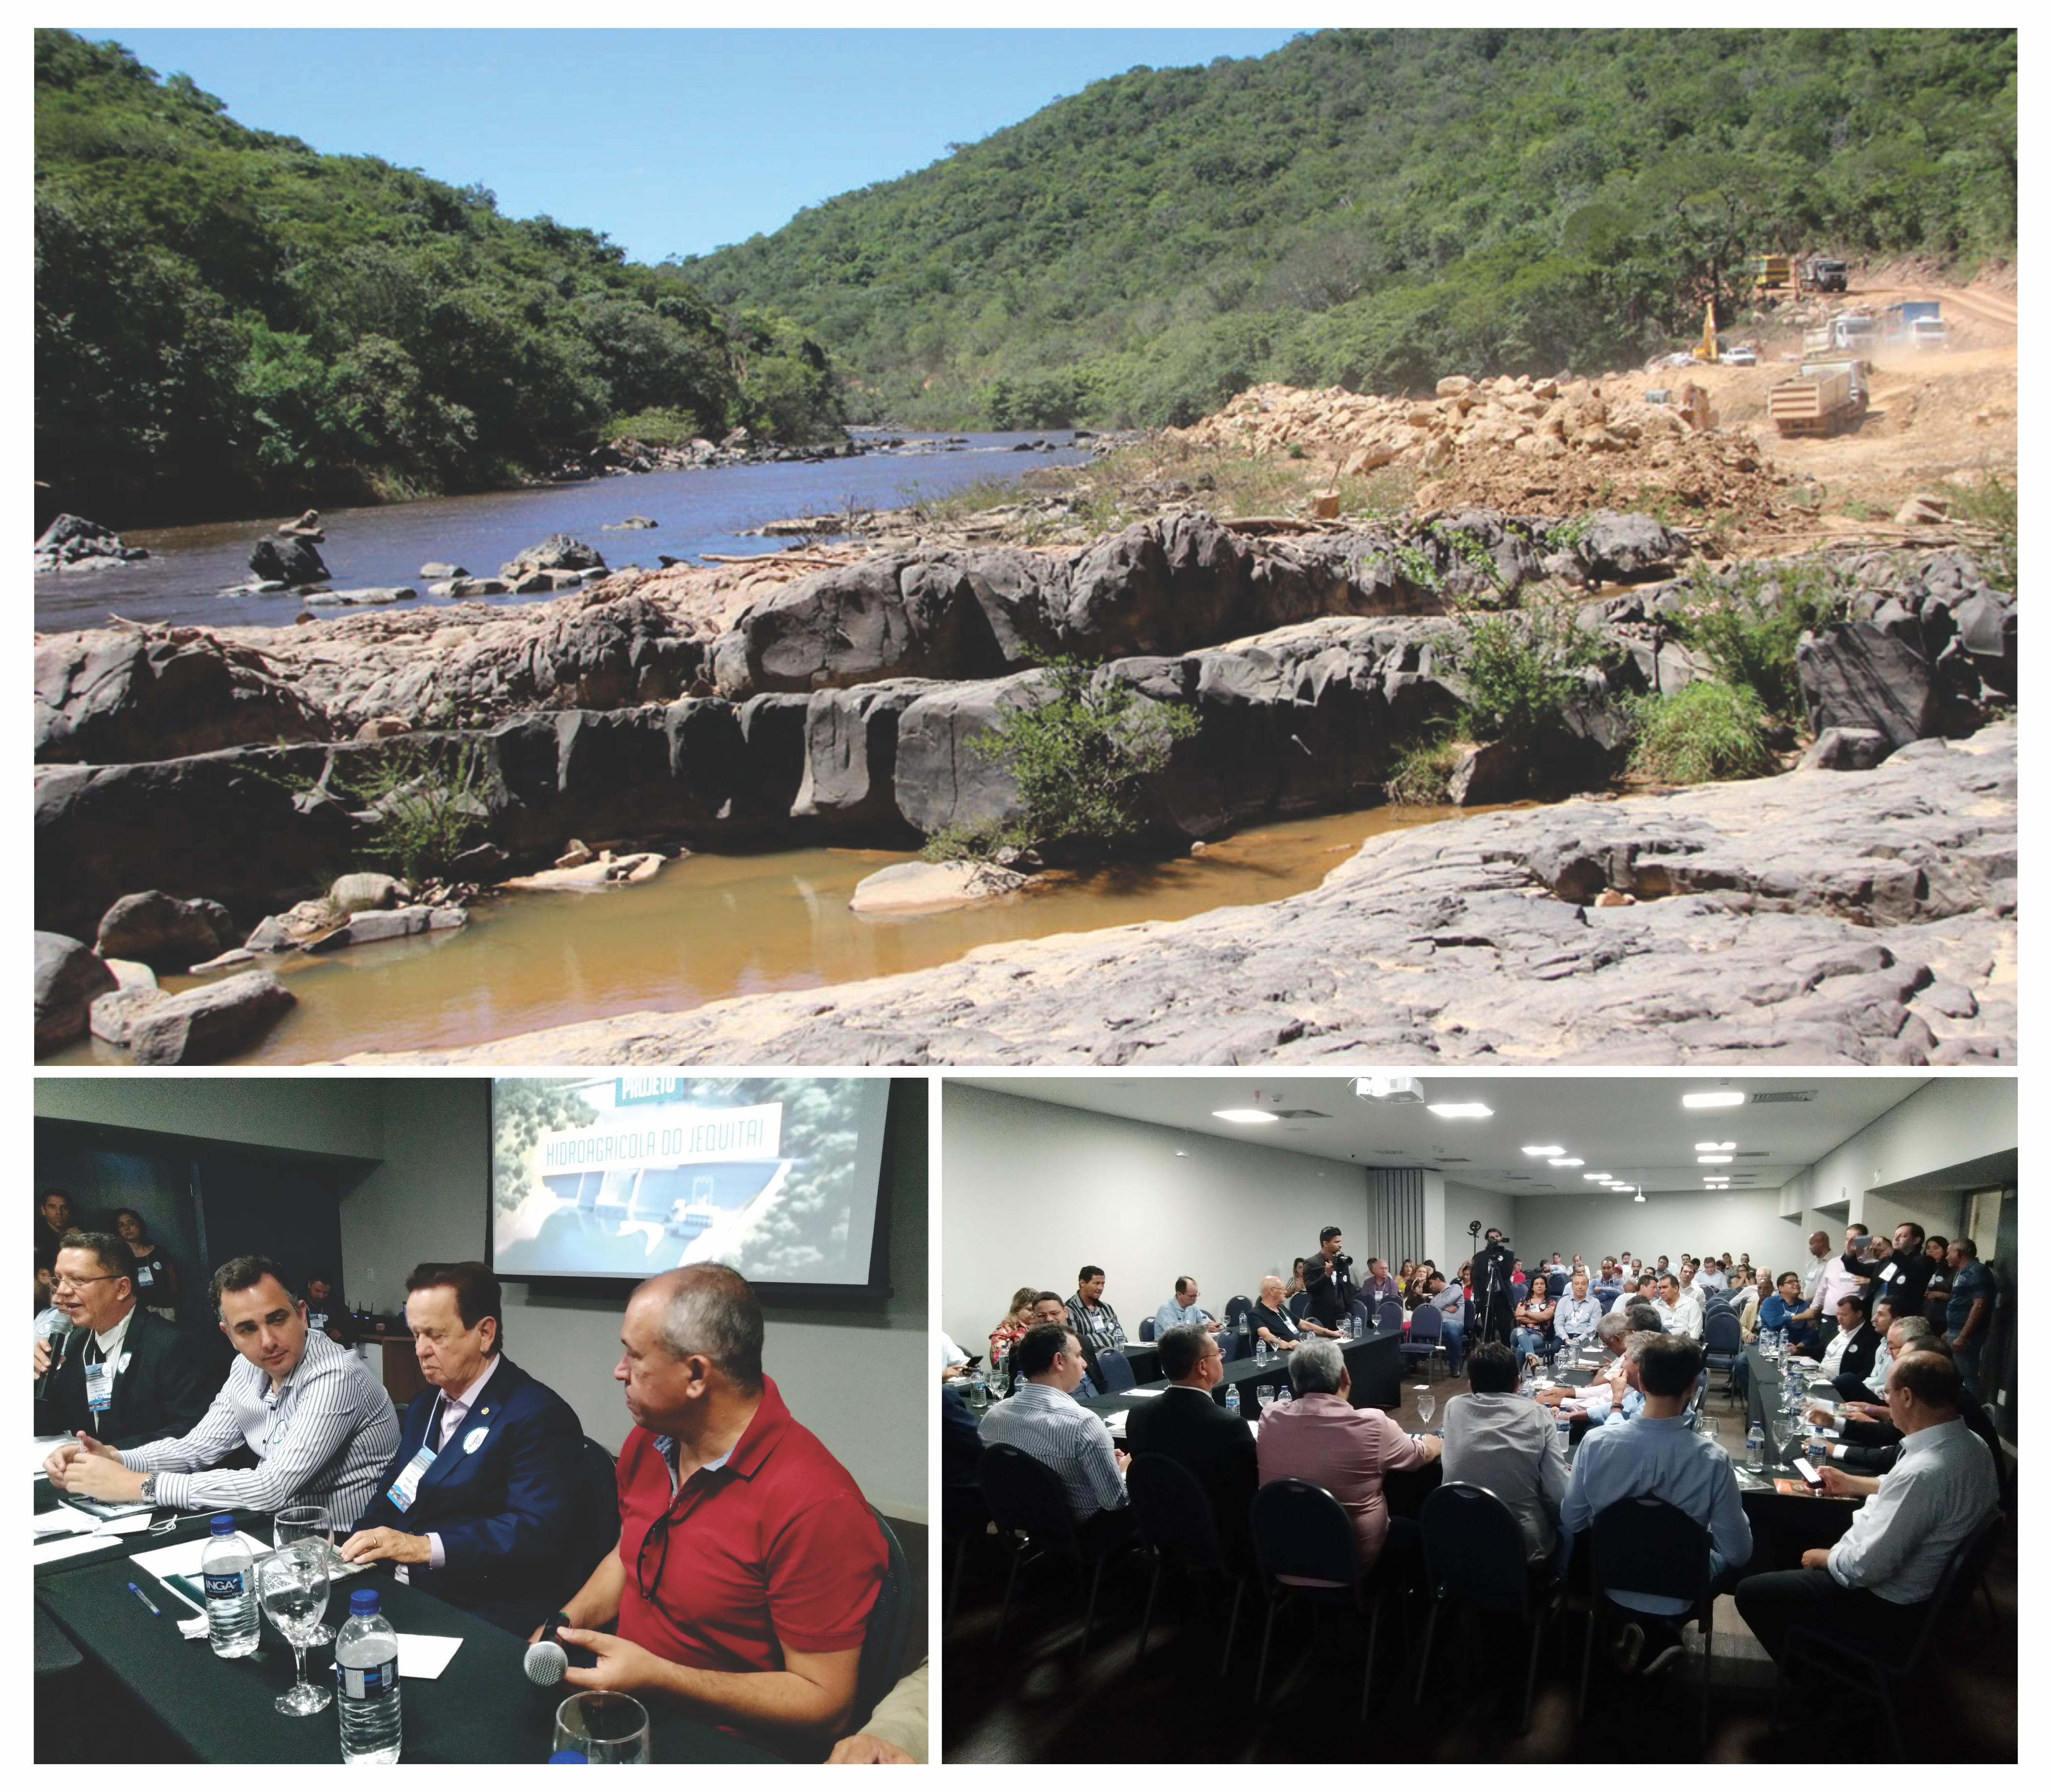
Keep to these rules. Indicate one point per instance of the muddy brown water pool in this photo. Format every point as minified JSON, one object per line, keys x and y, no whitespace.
{"x":715,"y":926}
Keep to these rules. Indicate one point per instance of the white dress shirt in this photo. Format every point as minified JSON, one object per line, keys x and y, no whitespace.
{"x":1941,"y":1485}
{"x":1684,"y":1316}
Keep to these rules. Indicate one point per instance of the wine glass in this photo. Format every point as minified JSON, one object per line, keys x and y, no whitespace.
{"x":1428,"y":1403}
{"x":302,"y":1523}
{"x":294,"y":1582}
{"x":1266,"y":1397}
{"x":606,"y":1729}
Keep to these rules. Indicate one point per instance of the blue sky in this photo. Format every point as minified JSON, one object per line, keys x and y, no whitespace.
{"x":672,"y":141}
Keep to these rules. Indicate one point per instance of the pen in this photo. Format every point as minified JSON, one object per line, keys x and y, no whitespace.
{"x":146,"y":1599}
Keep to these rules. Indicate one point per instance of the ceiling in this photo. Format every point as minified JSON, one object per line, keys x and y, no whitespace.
{"x":1635,"y":1128}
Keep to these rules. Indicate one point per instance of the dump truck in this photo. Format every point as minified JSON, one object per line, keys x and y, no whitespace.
{"x":1771,"y":273}
{"x":1854,"y":330}
{"x":1826,"y":396}
{"x":1900,"y":322}
{"x":1820,"y":273}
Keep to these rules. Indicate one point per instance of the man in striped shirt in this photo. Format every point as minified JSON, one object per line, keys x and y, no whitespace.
{"x":1043,"y":1419}
{"x":321,"y":1427}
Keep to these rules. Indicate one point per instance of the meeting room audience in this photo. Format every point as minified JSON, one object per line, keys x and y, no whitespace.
{"x":1451,"y":1303}
{"x":1498,"y":1440}
{"x":1270,"y":1321}
{"x":320,"y":1426}
{"x":1017,"y":1321}
{"x":1182,"y":1309}
{"x":1187,"y":1425}
{"x":1320,"y":1437}
{"x":1577,"y":1313}
{"x":748,"y":1561}
{"x":125,"y":1376}
{"x":1093,"y":1318}
{"x":481,"y":1503}
{"x":156,"y":1276}
{"x":1534,"y":1335}
{"x":1657,"y":1454}
{"x":1968,"y":1311}
{"x":1871,"y":1586}
{"x":1850,"y":1352}
{"x":1043,"y":1419}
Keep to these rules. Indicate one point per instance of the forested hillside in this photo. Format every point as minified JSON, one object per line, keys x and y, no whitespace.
{"x":1374,"y":209}
{"x":225,"y":318}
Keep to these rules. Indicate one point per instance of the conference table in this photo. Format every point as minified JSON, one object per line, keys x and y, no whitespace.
{"x":1374,"y":1364}
{"x":481,"y":1709}
{"x":1785,"y":1523}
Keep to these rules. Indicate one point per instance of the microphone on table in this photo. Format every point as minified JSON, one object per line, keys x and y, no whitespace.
{"x":545,"y":1661}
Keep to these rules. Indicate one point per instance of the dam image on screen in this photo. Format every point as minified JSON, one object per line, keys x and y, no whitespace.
{"x":629,"y":1175}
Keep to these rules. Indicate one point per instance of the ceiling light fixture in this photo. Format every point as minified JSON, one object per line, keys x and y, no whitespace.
{"x":1566,"y":1163}
{"x":1714,"y":1157}
{"x":1711,"y":1145}
{"x":1545,"y":1151}
{"x":1639,"y":1195}
{"x":1460,"y":1110}
{"x":1243,"y":1116}
{"x":1715,"y":1098}
{"x":1595,"y":1176}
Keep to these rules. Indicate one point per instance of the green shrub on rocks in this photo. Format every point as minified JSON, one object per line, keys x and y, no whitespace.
{"x":428,"y":807}
{"x":1747,"y":621}
{"x":1422,"y":775}
{"x":1991,"y":503}
{"x":1519,"y":674}
{"x":1704,"y":733}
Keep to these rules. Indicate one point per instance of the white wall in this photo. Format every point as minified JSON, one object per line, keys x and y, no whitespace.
{"x":1600,"y":1226}
{"x":1031,"y":1191}
{"x":1463,"y":1206}
{"x":338,"y":1114}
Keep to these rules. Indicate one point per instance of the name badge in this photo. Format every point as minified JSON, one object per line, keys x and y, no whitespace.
{"x":99,"y":1386}
{"x":408,"y":1486}
{"x":142,"y":1275}
{"x":472,"y":1439}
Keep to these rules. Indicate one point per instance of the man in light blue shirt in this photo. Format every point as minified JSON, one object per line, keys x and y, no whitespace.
{"x":1578,"y":1312}
{"x":1452,"y":1304}
{"x":1657,"y":1455}
{"x":1182,"y":1310}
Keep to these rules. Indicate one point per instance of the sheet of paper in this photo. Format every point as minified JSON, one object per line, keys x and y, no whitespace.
{"x":1144,"y":1393}
{"x":74,"y":1546}
{"x":183,"y":1558}
{"x":64,"y":1520}
{"x":424,"y":1657}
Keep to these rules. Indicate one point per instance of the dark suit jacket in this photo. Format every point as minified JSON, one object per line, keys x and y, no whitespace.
{"x":504,"y":1510}
{"x":1215,"y":1445}
{"x":164,"y":1392}
{"x":1857,"y":1361}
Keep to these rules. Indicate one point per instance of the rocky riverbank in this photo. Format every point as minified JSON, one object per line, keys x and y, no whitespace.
{"x":1827,"y":918}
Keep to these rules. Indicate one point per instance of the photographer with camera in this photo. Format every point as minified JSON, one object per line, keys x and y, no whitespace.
{"x":1495,"y":1299}
{"x":1328,"y":1280}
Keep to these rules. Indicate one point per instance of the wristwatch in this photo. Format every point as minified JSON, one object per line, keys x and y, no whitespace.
{"x":148,"y":1490}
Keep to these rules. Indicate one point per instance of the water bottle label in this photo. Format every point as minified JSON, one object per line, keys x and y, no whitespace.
{"x":367,"y":1683}
{"x":224,"y":1587}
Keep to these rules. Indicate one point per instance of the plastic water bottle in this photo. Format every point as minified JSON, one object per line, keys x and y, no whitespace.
{"x":1232,"y":1399}
{"x":1563,"y":1424}
{"x":1755,"y":1447}
{"x":366,"y":1683}
{"x":228,"y":1571}
{"x":1002,"y":1384}
{"x":978,"y":1392}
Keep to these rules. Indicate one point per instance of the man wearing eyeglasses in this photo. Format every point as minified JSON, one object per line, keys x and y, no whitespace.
{"x":748,"y":1562}
{"x":124,"y":1375}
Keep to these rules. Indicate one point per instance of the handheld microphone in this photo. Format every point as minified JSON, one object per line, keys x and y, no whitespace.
{"x":60,"y":1346}
{"x":545,"y":1661}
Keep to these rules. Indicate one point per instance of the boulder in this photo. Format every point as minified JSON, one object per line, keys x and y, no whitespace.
{"x":851,"y":756}
{"x":443,"y":569}
{"x":1160,"y":586}
{"x":558,"y":554}
{"x":1493,"y":772}
{"x":920,"y":888}
{"x":1621,"y":548}
{"x":68,"y":976}
{"x":384,"y":728}
{"x":600,"y":873}
{"x":373,"y":925}
{"x":1855,"y":675}
{"x":355,"y":891}
{"x":111,"y":696}
{"x":1846,"y":749}
{"x":163,"y":931}
{"x":282,"y":561}
{"x":206,"y":1025}
{"x":71,"y":543}
{"x":943,"y":781}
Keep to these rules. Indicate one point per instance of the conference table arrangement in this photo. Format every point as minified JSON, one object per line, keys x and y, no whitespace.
{"x":104,"y":1606}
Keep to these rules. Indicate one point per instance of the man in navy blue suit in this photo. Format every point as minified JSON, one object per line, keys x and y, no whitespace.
{"x":480,"y":1506}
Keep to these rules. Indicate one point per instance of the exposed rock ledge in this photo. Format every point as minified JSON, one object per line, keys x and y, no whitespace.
{"x":1823,"y":918}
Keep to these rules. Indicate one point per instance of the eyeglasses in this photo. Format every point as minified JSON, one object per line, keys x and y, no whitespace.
{"x":63,"y":1280}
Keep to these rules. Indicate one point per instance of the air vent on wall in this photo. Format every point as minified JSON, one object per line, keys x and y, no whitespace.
{"x":1788,"y":1095}
{"x":1299,"y":1113}
{"x":1437,"y":1158}
{"x":1749,"y":1154}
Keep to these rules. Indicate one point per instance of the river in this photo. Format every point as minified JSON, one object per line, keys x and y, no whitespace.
{"x":715,"y":926}
{"x":696,"y":511}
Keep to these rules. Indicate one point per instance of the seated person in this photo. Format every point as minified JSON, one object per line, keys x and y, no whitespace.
{"x":1614,"y":1397}
{"x":1453,"y":1305}
{"x":320,"y":1426}
{"x":156,"y":1276}
{"x":748,"y":1561}
{"x":1182,"y":1310}
{"x":1295,"y":1284}
{"x":1870,"y":1442}
{"x":1380,"y":1285}
{"x":1850,"y":1353}
{"x":1534,"y":1333}
{"x":894,"y":1735}
{"x":1781,"y":1311}
{"x":1320,"y":1437}
{"x":325,"y":1310}
{"x":1680,"y":1317}
{"x":479,"y":1503}
{"x":126,"y":1376}
{"x":1509,"y":1445}
{"x":1871,"y":1587}
{"x":1577,"y":1313}
{"x":1042,"y":1419}
{"x":1657,"y":1455}
{"x":1093,"y":1318}
{"x":1185,"y":1423}
{"x":1017,"y":1321}
{"x":53,"y":1219}
{"x":1270,"y":1321}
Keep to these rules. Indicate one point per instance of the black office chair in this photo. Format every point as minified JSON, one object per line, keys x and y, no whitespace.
{"x":1844,"y":1662}
{"x":1114,"y":1373}
{"x":1146,"y":1330}
{"x":1238,"y":1307}
{"x":964,"y":1515}
{"x":1643,"y":1545}
{"x":1362,"y":1311}
{"x":1427,"y":1327}
{"x":883,"y":1637}
{"x":1176,"y":1522}
{"x":1556,"y":1283}
{"x":1723,"y":1344}
{"x":1300,"y":1529}
{"x":1299,"y":1303}
{"x":1476,"y":1554}
{"x":594,"y":1533}
{"x":1031,"y":1512}
{"x":1388,"y":1316}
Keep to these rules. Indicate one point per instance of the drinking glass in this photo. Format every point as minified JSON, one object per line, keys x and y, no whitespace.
{"x":606,"y":1729}
{"x":299,"y":1524}
{"x":293,"y":1584}
{"x":1266,"y":1397}
{"x":1428,"y":1403}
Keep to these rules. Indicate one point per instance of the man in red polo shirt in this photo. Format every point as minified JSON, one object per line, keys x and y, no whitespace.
{"x":748,"y":1560}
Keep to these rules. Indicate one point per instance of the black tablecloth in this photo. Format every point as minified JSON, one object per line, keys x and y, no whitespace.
{"x":1374,"y":1363}
{"x":483,"y":1707}
{"x":1784,"y":1525}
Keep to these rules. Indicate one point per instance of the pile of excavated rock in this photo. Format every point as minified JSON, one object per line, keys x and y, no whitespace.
{"x":1504,"y":441}
{"x":73,"y":545}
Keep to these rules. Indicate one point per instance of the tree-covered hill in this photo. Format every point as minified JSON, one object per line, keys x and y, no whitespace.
{"x":225,"y":318}
{"x":1374,"y":209}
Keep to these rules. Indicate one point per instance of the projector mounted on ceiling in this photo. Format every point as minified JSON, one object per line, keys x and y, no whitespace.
{"x":1404,"y":1089}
